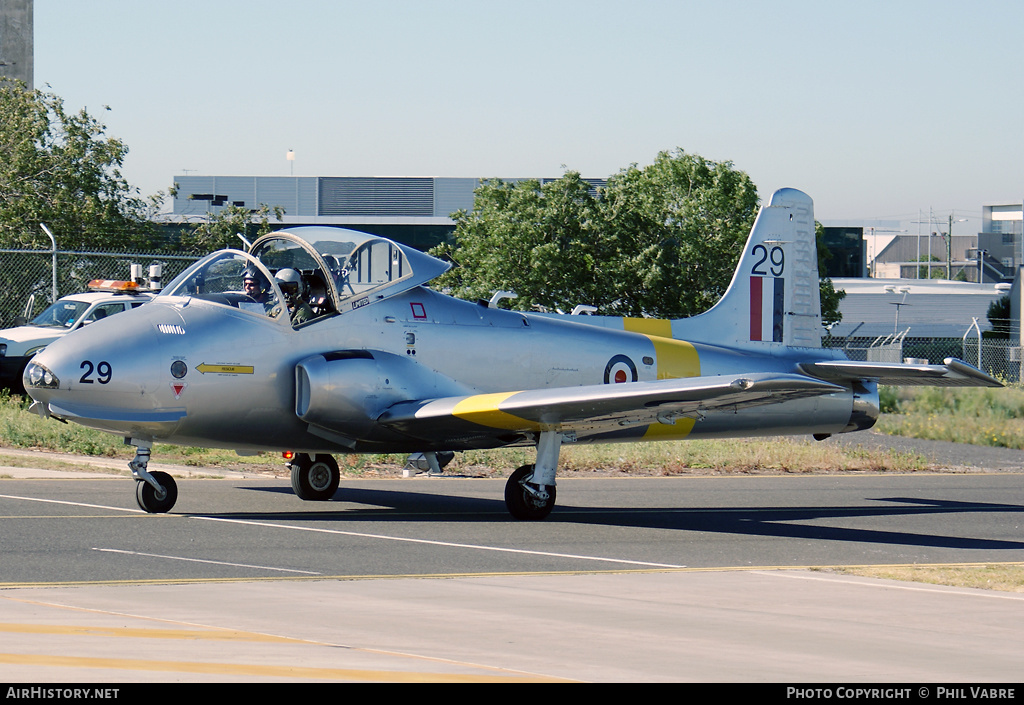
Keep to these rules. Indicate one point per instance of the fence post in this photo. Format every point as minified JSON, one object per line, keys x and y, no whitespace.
{"x":974,"y":326}
{"x":53,"y":241}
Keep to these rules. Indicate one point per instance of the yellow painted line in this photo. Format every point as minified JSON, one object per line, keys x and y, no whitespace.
{"x":186,"y":634}
{"x":506,"y":574}
{"x":263,"y":670}
{"x":51,"y":517}
{"x":225,"y":369}
{"x":483,"y":409}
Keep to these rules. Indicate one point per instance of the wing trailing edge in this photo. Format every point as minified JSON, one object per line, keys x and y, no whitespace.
{"x":605,"y":405}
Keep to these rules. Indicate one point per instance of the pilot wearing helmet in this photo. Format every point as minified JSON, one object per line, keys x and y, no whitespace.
{"x":258,"y":288}
{"x":294,"y":289}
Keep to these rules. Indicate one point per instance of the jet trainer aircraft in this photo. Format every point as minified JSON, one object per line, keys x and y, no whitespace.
{"x":322,"y":340}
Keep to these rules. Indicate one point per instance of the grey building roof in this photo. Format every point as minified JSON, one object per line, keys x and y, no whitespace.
{"x":334,"y":200}
{"x":930,"y":309}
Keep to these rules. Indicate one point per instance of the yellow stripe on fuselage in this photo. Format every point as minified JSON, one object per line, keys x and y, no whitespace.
{"x":649,"y":326}
{"x":483,"y":409}
{"x":676,"y":359}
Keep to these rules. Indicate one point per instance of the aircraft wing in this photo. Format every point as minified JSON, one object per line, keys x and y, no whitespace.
{"x":952,"y":373}
{"x":595,"y":408}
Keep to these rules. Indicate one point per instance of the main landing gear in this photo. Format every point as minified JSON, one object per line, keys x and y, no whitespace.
{"x":530,"y":490}
{"x":314,"y":479}
{"x":524,"y":498}
{"x":155,"y":491}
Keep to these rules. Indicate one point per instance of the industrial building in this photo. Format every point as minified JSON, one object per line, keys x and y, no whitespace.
{"x":922,"y":308}
{"x":412,"y":210}
{"x":16,"y":41}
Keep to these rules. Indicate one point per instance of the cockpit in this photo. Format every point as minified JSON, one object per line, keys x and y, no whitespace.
{"x":329,"y":270}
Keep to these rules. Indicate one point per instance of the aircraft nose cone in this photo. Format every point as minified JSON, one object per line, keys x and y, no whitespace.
{"x":38,"y":377}
{"x":108,"y":362}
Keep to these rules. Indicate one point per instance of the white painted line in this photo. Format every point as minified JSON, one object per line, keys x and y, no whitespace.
{"x":200,"y":560}
{"x":441,"y":543}
{"x":337,"y":532}
{"x":73,"y":504}
{"x":891,"y":584}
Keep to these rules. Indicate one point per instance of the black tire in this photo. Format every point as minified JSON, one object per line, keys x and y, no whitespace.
{"x":520,"y":503}
{"x":147,"y":497}
{"x":316,"y":479}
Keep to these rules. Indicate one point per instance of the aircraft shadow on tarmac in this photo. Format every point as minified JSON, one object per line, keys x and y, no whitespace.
{"x":784,"y":522}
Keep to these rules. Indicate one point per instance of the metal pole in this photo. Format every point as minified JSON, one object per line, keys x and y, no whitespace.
{"x":930,"y":235}
{"x":917,"y":269}
{"x":53,"y":240}
{"x":949,"y":249}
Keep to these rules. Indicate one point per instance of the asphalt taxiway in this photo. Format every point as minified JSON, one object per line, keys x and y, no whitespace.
{"x":643,"y":579}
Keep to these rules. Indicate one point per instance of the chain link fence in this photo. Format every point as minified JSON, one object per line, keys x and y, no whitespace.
{"x":28,"y":277}
{"x":999,"y":357}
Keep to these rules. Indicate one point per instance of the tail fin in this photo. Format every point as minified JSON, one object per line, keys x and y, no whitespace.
{"x":774,"y":296}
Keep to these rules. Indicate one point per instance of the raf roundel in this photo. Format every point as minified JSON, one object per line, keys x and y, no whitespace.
{"x":620,"y":369}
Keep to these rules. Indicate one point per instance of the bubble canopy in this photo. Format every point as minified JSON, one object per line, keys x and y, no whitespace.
{"x":344,"y":269}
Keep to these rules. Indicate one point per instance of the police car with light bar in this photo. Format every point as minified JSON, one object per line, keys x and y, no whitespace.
{"x":104,"y":298}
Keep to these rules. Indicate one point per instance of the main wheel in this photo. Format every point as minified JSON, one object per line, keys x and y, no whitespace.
{"x":523,"y":504}
{"x":152,"y":501}
{"x":316,"y":479}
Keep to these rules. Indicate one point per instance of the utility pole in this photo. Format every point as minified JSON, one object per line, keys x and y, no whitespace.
{"x":949,"y":249}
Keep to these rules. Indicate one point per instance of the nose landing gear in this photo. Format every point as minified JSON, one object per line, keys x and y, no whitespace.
{"x":155,"y":491}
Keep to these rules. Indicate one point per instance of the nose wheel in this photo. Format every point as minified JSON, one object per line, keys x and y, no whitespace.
{"x":155,"y":491}
{"x":153,"y":500}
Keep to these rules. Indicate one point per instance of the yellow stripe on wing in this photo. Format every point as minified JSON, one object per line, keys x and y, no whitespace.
{"x":483,"y":409}
{"x":669,"y":432}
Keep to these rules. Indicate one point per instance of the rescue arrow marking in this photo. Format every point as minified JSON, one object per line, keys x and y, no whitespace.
{"x":225,"y":369}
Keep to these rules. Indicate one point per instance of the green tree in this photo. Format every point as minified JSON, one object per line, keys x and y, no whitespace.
{"x":999,"y":317}
{"x":541,"y":241}
{"x":58,"y":168}
{"x":223,"y":228}
{"x":677,"y":227}
{"x":661,"y":241}
{"x":937,"y":272}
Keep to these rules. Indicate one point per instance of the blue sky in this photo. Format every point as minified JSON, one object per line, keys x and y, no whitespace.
{"x":878,"y":110}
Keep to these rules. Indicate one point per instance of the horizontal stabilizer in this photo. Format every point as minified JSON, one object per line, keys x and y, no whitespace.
{"x":953,"y":373}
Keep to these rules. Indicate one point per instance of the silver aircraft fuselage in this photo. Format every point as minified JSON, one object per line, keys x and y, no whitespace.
{"x":324,"y":340}
{"x":239,"y":390}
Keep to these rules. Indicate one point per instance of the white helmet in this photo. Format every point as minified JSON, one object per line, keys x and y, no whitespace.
{"x":290,"y":282}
